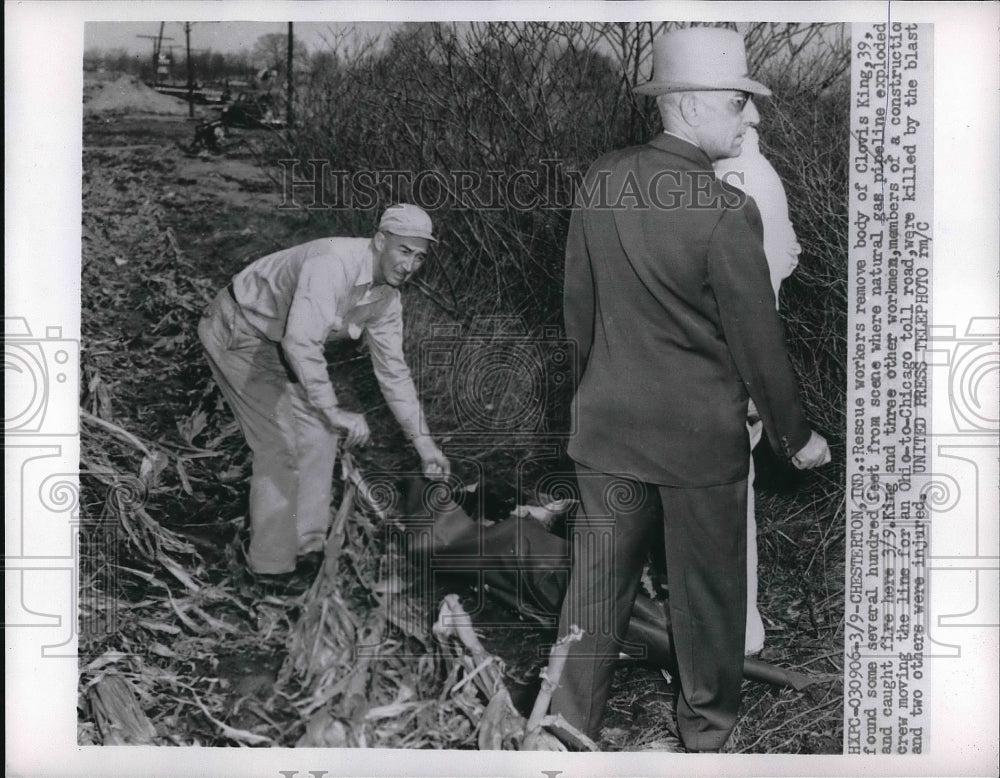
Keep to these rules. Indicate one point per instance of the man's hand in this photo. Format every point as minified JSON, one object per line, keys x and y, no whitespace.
{"x":353,"y":425}
{"x":434,"y":463}
{"x":814,"y":453}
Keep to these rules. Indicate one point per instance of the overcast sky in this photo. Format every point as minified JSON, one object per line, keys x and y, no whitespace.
{"x":218,"y":36}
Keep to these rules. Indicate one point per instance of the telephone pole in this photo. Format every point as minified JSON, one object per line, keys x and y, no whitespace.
{"x":190,"y":69}
{"x":157,"y":47}
{"x":289,"y":82}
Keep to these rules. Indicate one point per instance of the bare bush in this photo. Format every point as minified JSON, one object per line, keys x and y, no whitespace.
{"x":506,"y":96}
{"x":535,"y":103}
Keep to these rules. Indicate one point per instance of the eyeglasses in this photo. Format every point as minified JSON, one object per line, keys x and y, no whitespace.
{"x":740,"y":100}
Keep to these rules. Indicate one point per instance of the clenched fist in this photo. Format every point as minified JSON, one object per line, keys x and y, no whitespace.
{"x":814,"y":453}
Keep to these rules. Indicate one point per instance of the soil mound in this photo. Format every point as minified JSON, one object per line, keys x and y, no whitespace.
{"x":129,"y":95}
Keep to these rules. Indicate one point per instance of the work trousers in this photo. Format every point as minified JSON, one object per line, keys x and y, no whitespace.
{"x":704,"y":531}
{"x":294,"y":449}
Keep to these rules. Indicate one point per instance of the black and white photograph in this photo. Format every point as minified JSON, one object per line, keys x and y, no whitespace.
{"x":574,"y":382}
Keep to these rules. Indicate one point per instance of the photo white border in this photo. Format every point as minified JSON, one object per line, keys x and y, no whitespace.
{"x":43,"y":124}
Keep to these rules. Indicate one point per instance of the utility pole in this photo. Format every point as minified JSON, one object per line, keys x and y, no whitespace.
{"x":289,"y":82}
{"x":170,"y":61}
{"x":190,"y":70}
{"x":157,"y":47}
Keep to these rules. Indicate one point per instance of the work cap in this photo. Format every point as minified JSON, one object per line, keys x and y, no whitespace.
{"x":700,"y":58}
{"x":407,"y":220}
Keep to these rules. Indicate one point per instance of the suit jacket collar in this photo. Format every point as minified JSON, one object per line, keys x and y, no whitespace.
{"x":682,"y":148}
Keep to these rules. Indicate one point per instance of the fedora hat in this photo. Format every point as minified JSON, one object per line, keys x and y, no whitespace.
{"x":700,"y":58}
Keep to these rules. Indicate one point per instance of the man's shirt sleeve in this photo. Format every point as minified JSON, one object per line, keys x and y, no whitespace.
{"x":384,"y":336}
{"x":321,"y":289}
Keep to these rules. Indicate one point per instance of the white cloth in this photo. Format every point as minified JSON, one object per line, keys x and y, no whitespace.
{"x":752,"y":173}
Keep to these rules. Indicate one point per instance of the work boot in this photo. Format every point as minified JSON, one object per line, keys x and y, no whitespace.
{"x":290,"y":584}
{"x":278,"y":584}
{"x":308,"y":565}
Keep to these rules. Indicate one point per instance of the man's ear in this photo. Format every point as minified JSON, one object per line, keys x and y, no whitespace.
{"x":690,"y":108}
{"x":379,"y":241}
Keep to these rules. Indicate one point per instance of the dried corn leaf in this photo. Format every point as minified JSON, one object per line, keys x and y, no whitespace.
{"x":161,"y":650}
{"x":394,"y":710}
{"x":180,"y":574}
{"x":105,"y":659}
{"x":323,"y":731}
{"x":541,"y":740}
{"x":241,"y":735}
{"x":119,"y":718}
{"x":151,"y":468}
{"x":220,"y":626}
{"x":188,"y":622}
{"x":501,"y":723}
{"x":191,"y":427}
{"x":182,"y":474}
{"x":159,"y":626}
{"x":567,"y":732}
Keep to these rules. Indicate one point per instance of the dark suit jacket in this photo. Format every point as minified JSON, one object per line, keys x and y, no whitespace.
{"x":669,"y":300}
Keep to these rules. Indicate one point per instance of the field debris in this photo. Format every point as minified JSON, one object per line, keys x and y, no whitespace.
{"x":479,"y":678}
{"x":129,"y":94}
{"x":541,"y":726}
{"x":178,"y":645}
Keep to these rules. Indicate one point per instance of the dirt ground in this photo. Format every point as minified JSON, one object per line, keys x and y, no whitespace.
{"x":164,"y":229}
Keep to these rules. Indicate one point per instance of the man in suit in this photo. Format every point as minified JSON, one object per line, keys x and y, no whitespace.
{"x":669,"y":299}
